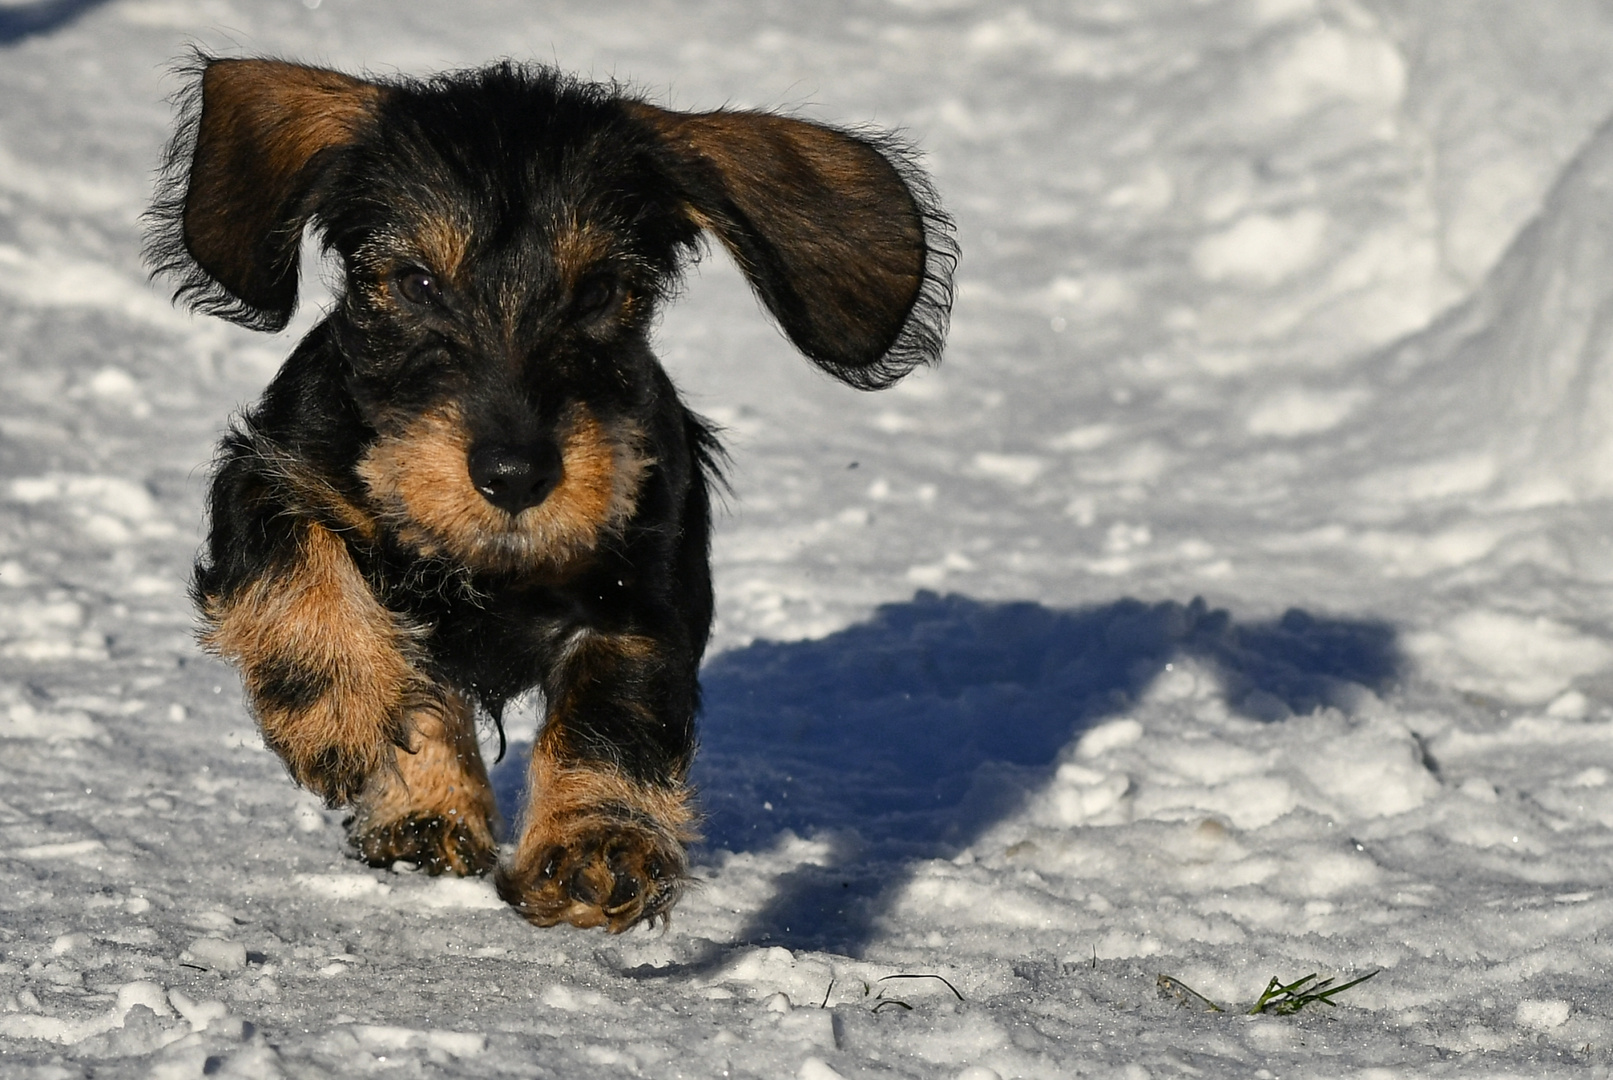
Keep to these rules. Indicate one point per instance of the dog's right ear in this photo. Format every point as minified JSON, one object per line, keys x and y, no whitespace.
{"x":238,"y":182}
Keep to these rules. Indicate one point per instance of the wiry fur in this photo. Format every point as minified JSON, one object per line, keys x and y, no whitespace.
{"x":473,"y":478}
{"x":434,"y":807}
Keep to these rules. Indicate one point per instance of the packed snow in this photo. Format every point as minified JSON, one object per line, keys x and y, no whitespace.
{"x":1234,"y":602}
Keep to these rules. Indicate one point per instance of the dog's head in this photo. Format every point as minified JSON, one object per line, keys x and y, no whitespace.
{"x":504,"y":237}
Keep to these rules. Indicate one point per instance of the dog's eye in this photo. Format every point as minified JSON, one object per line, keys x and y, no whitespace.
{"x":596,"y":294}
{"x":419,"y":287}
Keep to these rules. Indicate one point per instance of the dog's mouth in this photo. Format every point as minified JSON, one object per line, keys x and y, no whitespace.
{"x":505,"y":507}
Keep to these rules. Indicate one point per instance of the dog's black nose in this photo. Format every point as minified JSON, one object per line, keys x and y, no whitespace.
{"x":513,"y":478}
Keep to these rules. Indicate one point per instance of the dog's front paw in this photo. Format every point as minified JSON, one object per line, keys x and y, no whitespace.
{"x":600,"y":872}
{"x":598,"y":849}
{"x":436,"y":843}
{"x":432,"y":806}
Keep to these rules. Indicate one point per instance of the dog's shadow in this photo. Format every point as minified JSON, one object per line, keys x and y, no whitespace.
{"x":19,"y":21}
{"x":904,"y":737}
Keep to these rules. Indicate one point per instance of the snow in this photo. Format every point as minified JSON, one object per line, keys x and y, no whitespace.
{"x":1298,"y":306}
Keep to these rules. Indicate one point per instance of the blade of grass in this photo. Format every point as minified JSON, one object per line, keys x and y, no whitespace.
{"x":1285,"y":1000}
{"x":1276,"y":993}
{"x":948,"y":985}
{"x":1169,"y":986}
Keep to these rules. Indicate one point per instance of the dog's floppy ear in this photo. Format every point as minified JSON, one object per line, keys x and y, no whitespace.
{"x":236,"y":187}
{"x":840,"y":234}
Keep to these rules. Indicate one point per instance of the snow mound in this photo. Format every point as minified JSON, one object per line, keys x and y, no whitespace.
{"x":1512,"y":392}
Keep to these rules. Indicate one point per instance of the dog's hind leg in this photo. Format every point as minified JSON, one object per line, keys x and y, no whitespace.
{"x":436,"y":807}
{"x":610,"y":815}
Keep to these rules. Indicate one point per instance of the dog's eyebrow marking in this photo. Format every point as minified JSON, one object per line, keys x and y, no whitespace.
{"x":579,"y":247}
{"x":443,"y":241}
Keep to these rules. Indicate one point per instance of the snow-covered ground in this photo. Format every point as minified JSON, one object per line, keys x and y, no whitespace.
{"x":1304,"y":307}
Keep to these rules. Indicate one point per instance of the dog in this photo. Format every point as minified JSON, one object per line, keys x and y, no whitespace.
{"x":473,"y":478}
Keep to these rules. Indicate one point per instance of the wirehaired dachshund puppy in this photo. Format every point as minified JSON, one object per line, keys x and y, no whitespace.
{"x":473,"y":478}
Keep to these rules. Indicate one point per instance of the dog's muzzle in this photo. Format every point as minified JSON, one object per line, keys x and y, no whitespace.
{"x":514,"y":478}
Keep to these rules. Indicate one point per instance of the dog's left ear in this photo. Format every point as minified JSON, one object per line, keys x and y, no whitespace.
{"x":239,"y":180}
{"x":840,"y":234}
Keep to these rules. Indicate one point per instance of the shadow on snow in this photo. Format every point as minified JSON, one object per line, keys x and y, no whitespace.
{"x":19,"y":21}
{"x":906,"y":736}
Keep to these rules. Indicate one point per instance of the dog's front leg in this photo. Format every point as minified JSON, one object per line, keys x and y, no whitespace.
{"x":609,"y":812}
{"x":327,"y":667}
{"x":434,"y":807}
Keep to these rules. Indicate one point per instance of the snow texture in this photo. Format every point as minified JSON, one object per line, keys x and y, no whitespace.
{"x":1301,"y":307}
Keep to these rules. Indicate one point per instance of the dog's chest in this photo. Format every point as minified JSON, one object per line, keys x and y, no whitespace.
{"x":492,"y":637}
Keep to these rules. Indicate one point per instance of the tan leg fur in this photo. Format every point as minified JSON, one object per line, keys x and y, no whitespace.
{"x":436,"y":808}
{"x":327,"y":667}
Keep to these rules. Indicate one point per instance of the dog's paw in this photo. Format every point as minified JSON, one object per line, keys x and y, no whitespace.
{"x":599,"y":848}
{"x":436,"y":843}
{"x":607,"y":873}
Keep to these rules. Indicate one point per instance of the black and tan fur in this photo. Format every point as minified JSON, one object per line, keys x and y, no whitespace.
{"x":472,"y":478}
